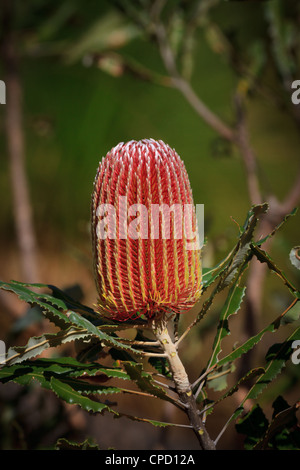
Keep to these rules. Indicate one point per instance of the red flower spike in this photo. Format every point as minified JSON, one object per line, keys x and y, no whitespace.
{"x":143,"y":263}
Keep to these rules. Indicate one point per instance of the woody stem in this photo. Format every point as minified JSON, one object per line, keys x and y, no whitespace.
{"x":182,"y":385}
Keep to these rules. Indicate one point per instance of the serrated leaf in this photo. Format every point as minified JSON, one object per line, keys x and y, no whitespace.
{"x":236,"y":262}
{"x":253,"y":426}
{"x":84,"y":323}
{"x":210,"y":275}
{"x":229,"y":267}
{"x":261,"y":241}
{"x":68,"y":368}
{"x":251,"y":342}
{"x":283,"y":420}
{"x":218,"y":381}
{"x":154,"y":422}
{"x":64,"y":376}
{"x":68,"y":394}
{"x":71,"y":304}
{"x":276,"y":359}
{"x":242,"y":250}
{"x":250,"y":375}
{"x":52,"y":308}
{"x":37,"y":344}
{"x":144,"y":380}
{"x":87,"y":388}
{"x":231,"y":307}
{"x":57,"y":310}
{"x":57,"y":306}
{"x":263,"y":257}
{"x":64,"y":444}
{"x":292,"y":315}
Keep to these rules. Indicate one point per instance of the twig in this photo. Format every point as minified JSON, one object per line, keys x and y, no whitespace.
{"x":150,"y":354}
{"x":208,"y":371}
{"x":175,"y":402}
{"x":223,"y":430}
{"x":128,"y":65}
{"x":185,"y":88}
{"x":138,"y":343}
{"x":164,"y":385}
{"x":220,"y":374}
{"x":247,"y":153}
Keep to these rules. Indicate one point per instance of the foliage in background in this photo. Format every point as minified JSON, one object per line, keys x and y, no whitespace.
{"x":75,"y":74}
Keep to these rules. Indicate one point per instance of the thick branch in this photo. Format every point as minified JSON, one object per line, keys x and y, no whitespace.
{"x":182,"y":386}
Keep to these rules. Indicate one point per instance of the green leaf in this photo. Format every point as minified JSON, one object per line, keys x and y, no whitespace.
{"x":248,"y":376}
{"x":52,"y":308}
{"x":261,"y":241}
{"x":66,"y":367}
{"x":64,"y":444}
{"x":276,"y":358}
{"x":251,"y":342}
{"x":57,"y":306}
{"x":283,"y":432}
{"x":218,"y":380}
{"x":210,"y":275}
{"x":229,"y":268}
{"x":154,"y":422}
{"x":57,"y":309}
{"x":292,"y":315}
{"x":65,"y":377}
{"x":231,"y":307}
{"x":253,"y":426}
{"x":144,"y":380}
{"x":87,"y":388}
{"x":71,"y":396}
{"x":233,"y":266}
{"x":108,"y":340}
{"x":242,"y":250}
{"x":37,"y":344}
{"x":263,"y":257}
{"x":71,"y":304}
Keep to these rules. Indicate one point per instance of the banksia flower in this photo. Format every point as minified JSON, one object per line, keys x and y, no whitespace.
{"x":143,"y":226}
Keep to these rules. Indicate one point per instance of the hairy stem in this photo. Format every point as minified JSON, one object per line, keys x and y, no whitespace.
{"x":182,"y":385}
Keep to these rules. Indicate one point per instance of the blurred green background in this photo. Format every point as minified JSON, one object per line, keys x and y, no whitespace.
{"x":74,"y":114}
{"x":80,"y":100}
